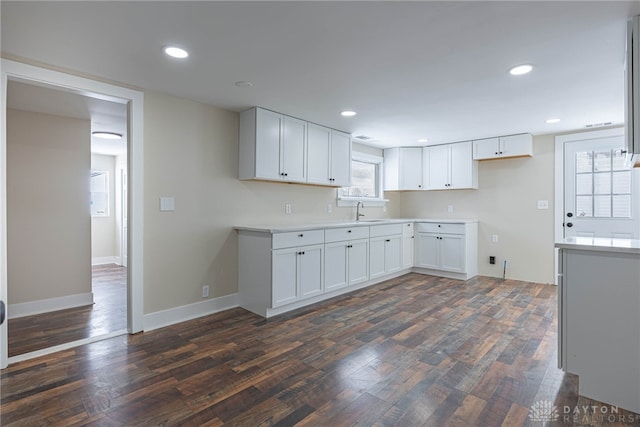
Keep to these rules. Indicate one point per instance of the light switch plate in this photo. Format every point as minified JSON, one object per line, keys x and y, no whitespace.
{"x":543,"y":204}
{"x":167,"y":204}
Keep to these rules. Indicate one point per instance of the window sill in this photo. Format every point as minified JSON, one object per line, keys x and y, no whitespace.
{"x":353,"y":201}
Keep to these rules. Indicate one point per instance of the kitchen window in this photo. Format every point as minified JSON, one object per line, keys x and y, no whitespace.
{"x":366,"y":182}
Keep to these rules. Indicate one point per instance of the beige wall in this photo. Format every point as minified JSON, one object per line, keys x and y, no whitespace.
{"x":191,"y":154}
{"x":505,"y":204}
{"x":48,"y":221}
{"x":103,"y":229}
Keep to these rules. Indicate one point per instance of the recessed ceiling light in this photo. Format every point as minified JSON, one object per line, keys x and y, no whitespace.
{"x":175,"y":52}
{"x":348,"y":113}
{"x":107,"y":135}
{"x":520,"y":69}
{"x":553,"y":120}
{"x":243,"y":83}
{"x":423,"y":140}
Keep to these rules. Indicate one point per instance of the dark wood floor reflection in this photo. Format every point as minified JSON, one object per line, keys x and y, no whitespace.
{"x":108,"y":314}
{"x":413,"y":351}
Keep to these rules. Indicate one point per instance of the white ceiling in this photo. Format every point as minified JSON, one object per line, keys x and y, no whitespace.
{"x":410,"y":69}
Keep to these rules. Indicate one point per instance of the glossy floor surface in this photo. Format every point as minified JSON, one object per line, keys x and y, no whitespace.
{"x":107,"y":314}
{"x":413,"y":351}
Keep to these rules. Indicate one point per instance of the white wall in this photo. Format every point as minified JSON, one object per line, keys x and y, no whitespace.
{"x":103,"y":229}
{"x":48,"y":219}
{"x":191,"y":154}
{"x":505,"y":205}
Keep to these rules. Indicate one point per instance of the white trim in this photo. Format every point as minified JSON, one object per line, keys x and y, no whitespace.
{"x":558,"y":212}
{"x":65,"y":346}
{"x":12,"y":70}
{"x":47,"y":305}
{"x":351,"y":202}
{"x":102,"y":260}
{"x":171,"y":316}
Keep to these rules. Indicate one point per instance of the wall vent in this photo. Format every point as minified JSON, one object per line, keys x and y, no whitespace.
{"x":363,"y":137}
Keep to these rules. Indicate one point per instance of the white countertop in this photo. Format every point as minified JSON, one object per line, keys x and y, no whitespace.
{"x":601,"y":244}
{"x":283,"y":228}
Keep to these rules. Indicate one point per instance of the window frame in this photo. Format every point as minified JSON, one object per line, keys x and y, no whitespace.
{"x":351,"y":201}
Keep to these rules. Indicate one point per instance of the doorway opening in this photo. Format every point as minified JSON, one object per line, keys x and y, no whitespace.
{"x":132,"y":101}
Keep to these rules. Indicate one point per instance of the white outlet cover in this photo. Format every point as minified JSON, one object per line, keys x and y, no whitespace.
{"x":543,"y":204}
{"x":167,"y":204}
{"x":494,"y":238}
{"x":329,"y":208}
{"x":450,"y":208}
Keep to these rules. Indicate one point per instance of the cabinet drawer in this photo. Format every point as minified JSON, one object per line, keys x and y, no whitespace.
{"x":345,"y":233}
{"x":297,"y":238}
{"x":385,"y":230}
{"x":438,"y":227}
{"x":407,"y":229}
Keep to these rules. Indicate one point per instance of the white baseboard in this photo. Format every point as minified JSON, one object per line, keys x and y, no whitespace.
{"x":47,"y":305}
{"x":101,"y":260}
{"x":183,"y":313}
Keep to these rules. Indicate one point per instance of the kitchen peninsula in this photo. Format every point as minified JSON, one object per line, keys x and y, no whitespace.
{"x":599,"y":317}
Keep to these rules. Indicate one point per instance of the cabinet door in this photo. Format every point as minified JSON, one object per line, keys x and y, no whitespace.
{"x":376,"y":257}
{"x":516,"y":145}
{"x":452,"y":253}
{"x":486,"y":148}
{"x":340,"y":163}
{"x":358,"y":254}
{"x":268,"y":137}
{"x":437,"y":167}
{"x":335,"y":266}
{"x":462,"y":166}
{"x":294,"y":138}
{"x":393,"y":254}
{"x":427,"y":250}
{"x":407,"y":251}
{"x":285,"y":276}
{"x":318,"y":149}
{"x":411,"y":168}
{"x":310,"y":267}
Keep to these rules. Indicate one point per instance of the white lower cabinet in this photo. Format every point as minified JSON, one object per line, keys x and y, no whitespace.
{"x":448,"y":248}
{"x":385,"y":250}
{"x":345,"y":264}
{"x":297,"y":273}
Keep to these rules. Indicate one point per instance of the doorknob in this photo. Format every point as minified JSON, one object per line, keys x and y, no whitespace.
{"x":569,"y":224}
{"x":569,"y":214}
{"x":2,"y":312}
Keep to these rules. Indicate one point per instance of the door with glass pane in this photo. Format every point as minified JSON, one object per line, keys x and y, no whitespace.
{"x":599,"y":190}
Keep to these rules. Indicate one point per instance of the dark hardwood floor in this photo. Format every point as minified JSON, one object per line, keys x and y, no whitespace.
{"x":413,"y":351}
{"x":107,"y":314}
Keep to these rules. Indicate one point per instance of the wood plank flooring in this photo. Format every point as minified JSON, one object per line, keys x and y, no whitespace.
{"x":413,"y":351}
{"x":108,"y":314}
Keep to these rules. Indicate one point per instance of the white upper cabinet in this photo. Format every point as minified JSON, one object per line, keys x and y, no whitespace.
{"x":450,"y":166}
{"x":277,"y":147}
{"x":502,"y":147}
{"x":329,"y":156}
{"x":403,"y":169}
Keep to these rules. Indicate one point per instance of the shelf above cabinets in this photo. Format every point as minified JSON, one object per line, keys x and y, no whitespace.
{"x":277,"y":147}
{"x":503,"y":147}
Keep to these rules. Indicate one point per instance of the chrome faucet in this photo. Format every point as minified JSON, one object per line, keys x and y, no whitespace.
{"x":358,"y":214}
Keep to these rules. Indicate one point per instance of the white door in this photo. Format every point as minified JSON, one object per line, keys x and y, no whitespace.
{"x":358,"y":254}
{"x":310,"y":267}
{"x":340,"y":159}
{"x":461,"y":167}
{"x":427,"y":256}
{"x":376,"y":257}
{"x":294,"y":145}
{"x":285,"y":276}
{"x":411,"y":168}
{"x":452,"y":252}
{"x":268,"y":137}
{"x":393,"y":254}
{"x":438,"y":167}
{"x":600,"y":194}
{"x":407,"y":251}
{"x":335,"y":266}
{"x":318,"y":143}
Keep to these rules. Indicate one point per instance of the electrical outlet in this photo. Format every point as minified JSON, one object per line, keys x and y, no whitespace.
{"x":543,"y":204}
{"x":494,"y":238}
{"x":287,"y":208}
{"x":492,"y":259}
{"x":329,"y":208}
{"x":450,"y":208}
{"x":205,"y":291}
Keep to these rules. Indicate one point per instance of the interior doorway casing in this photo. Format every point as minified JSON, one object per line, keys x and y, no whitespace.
{"x":12,"y":70}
